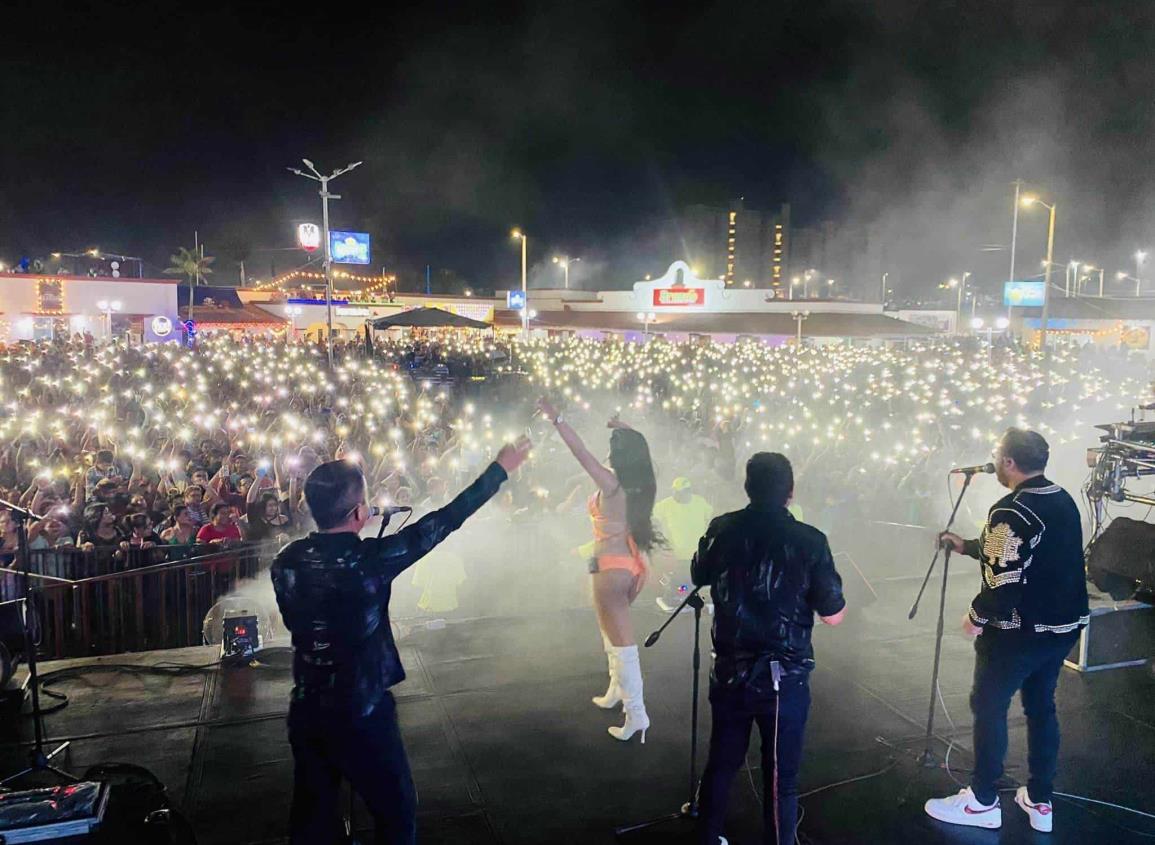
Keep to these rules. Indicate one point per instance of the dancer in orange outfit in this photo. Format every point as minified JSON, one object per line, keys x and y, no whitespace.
{"x":622,"y":514}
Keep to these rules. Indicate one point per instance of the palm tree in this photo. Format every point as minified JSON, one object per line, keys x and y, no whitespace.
{"x":191,"y":263}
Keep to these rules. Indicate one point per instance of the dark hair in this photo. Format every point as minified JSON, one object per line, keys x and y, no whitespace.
{"x":176,"y":512}
{"x":218,"y":507}
{"x":104,"y":456}
{"x":630,"y":461}
{"x":769,"y":479}
{"x":332,"y":490}
{"x":1026,"y":448}
{"x":93,"y":516}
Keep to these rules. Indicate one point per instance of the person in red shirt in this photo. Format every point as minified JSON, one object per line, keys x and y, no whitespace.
{"x":222,"y":529}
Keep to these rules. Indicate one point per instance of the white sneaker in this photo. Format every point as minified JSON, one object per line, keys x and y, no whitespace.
{"x":1041,"y":815}
{"x":965,"y":809}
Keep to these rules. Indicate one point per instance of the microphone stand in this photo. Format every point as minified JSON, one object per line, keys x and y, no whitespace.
{"x":40,"y":761}
{"x":689,"y":810}
{"x":347,"y":818}
{"x":928,"y":759}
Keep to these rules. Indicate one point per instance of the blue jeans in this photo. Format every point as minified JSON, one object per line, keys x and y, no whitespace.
{"x":1006,"y":662}
{"x":367,"y":752}
{"x":734,"y":712}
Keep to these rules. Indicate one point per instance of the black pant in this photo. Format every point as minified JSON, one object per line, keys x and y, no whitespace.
{"x":1005,"y":662}
{"x":734,"y":712}
{"x":367,"y":752}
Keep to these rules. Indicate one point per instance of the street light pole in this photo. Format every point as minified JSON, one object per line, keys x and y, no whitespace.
{"x":1014,"y":239}
{"x":1046,"y":270}
{"x":325,"y":197}
{"x":799,"y":316}
{"x":520,"y":235}
{"x":958,"y":306}
{"x":1140,"y":257}
{"x":883,"y":294}
{"x":563,"y":261}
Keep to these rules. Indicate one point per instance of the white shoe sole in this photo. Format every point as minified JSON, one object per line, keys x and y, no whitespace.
{"x":1039,"y":822}
{"x":992,"y":822}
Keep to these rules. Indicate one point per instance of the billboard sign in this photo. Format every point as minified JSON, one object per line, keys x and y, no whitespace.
{"x":309,"y":236}
{"x":680,"y":296}
{"x":514,"y":300}
{"x":161,"y":328}
{"x":1024,"y":294}
{"x":349,"y":247}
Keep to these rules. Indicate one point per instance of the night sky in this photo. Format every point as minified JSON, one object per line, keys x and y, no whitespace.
{"x":128,"y":126}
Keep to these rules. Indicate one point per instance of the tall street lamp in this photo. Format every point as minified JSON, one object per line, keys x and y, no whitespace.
{"x":519,"y":235}
{"x":109,"y":308}
{"x":563,"y":261}
{"x":1027,"y":202}
{"x":961,"y":287}
{"x":325,"y":197}
{"x":1140,"y":257}
{"x":291,"y":314}
{"x":799,"y":316}
{"x":646,"y":318}
{"x":804,"y":280}
{"x":1018,"y":183}
{"x":1090,"y":271}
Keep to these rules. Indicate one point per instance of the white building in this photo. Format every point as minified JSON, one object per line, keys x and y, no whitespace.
{"x":40,"y":307}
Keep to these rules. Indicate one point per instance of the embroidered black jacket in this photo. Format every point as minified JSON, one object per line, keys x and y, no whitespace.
{"x":1031,"y":556}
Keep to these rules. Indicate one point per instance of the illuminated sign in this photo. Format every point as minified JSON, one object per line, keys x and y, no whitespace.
{"x":1024,"y":294}
{"x":309,"y":236}
{"x":49,"y":296}
{"x":161,"y":326}
{"x":514,"y":300}
{"x":679,"y":296}
{"x":349,"y":247}
{"x":1135,"y":337}
{"x":352,"y":312}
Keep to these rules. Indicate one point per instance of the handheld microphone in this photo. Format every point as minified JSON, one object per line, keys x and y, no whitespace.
{"x":389,"y":510}
{"x":987,"y":468}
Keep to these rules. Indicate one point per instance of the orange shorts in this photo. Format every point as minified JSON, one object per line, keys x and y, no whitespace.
{"x":635,"y":565}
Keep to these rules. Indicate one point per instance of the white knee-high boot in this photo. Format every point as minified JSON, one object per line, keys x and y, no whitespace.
{"x":630,"y":678}
{"x":613,"y":696}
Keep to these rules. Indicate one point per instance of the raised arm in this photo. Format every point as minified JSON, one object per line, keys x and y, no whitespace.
{"x":399,"y":551}
{"x":602,"y":475}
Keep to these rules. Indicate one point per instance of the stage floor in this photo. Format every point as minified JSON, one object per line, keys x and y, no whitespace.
{"x":506,"y":747}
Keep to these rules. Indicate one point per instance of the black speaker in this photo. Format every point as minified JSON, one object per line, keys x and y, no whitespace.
{"x":1121,"y":561}
{"x":11,"y":637}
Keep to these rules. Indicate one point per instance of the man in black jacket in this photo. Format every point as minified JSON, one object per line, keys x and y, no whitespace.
{"x":333,"y":591}
{"x":768,"y":575}
{"x":1026,"y":617}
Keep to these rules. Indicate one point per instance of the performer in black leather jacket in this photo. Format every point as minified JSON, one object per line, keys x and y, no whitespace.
{"x":333,"y":591}
{"x":768,"y":575}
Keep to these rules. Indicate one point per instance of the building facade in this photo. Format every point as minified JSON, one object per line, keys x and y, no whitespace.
{"x":743,"y":247}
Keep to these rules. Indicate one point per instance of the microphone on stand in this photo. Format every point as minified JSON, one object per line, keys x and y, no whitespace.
{"x":389,"y":510}
{"x":981,"y":468}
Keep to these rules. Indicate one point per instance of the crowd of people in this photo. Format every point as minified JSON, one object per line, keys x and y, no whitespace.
{"x":144,"y":453}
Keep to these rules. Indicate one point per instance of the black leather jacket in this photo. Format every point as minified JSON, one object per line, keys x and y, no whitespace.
{"x":768,"y":575}
{"x":333,"y":591}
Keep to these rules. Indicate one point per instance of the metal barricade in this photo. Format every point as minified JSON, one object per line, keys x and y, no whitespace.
{"x":100,"y":602}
